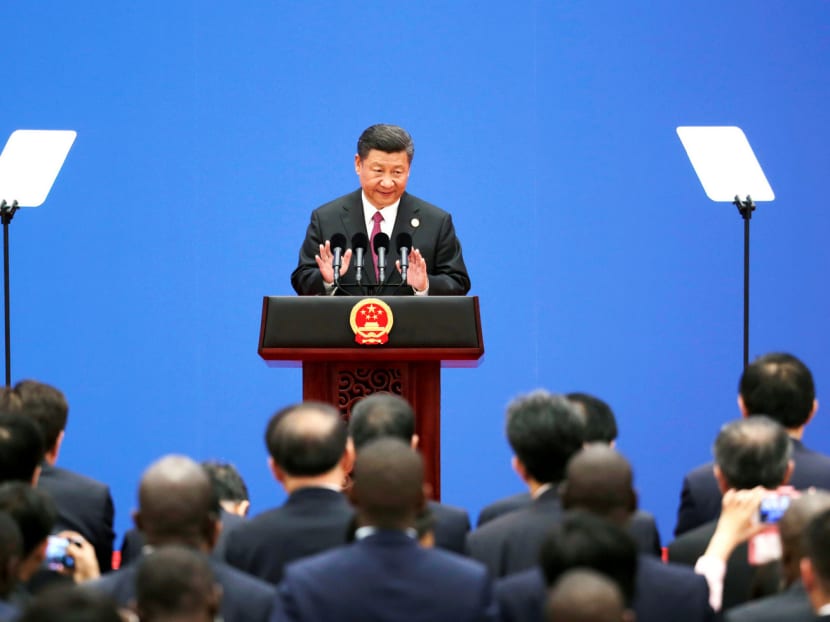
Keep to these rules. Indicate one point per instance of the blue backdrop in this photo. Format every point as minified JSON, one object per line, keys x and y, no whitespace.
{"x":207,"y":131}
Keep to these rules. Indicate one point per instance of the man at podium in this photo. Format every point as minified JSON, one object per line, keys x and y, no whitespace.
{"x":380,"y":239}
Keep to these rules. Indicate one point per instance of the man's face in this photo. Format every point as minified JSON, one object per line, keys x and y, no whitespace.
{"x":383,"y":176}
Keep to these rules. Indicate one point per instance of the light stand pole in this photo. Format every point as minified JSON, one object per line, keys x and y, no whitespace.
{"x":745,"y":208}
{"x":6,"y":214}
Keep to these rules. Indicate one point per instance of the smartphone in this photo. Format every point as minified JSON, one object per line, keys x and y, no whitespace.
{"x":772,"y":508}
{"x":56,"y":556}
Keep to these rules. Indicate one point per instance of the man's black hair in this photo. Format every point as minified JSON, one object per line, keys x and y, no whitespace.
{"x":817,"y":546}
{"x":227,"y":482}
{"x":544,"y":430}
{"x":779,"y":386}
{"x":381,"y":415}
{"x":583,"y":540}
{"x":33,"y":511}
{"x":600,"y":423}
{"x":46,"y":405}
{"x":753,"y":451}
{"x":306,"y":439}
{"x":386,"y":138}
{"x":71,"y":604}
{"x":21,"y":447}
{"x":11,"y":553}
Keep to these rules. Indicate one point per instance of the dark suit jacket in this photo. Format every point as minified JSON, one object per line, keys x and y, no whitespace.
{"x":700,"y":498}
{"x":642,"y":526}
{"x":664,"y":592}
{"x":133,"y":543}
{"x":511,"y":542}
{"x":244,"y":598}
{"x":451,"y":526}
{"x":385,"y":576}
{"x":84,"y":505}
{"x":793,"y":605}
{"x":432,"y":233}
{"x":310,"y":521}
{"x":741,"y":578}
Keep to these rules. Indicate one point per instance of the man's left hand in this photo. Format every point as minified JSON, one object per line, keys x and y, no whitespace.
{"x":416,"y":275}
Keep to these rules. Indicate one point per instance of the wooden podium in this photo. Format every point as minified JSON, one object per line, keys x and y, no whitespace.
{"x":426,"y":333}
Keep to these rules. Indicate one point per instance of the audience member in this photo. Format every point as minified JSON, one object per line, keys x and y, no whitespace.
{"x":781,"y":387}
{"x":544,"y":431}
{"x":71,"y":604}
{"x":387,"y":415}
{"x":21,"y":445}
{"x":583,"y":595}
{"x":310,"y":457}
{"x":749,"y":453}
{"x":176,"y":584}
{"x":177,"y":506}
{"x":385,"y":575}
{"x":815,"y":566}
{"x":11,"y":554}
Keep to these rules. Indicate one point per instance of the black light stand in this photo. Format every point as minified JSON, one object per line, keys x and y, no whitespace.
{"x":745,"y":208}
{"x":6,"y":214}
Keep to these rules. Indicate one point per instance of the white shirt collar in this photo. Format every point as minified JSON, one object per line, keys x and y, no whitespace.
{"x":390,"y":213}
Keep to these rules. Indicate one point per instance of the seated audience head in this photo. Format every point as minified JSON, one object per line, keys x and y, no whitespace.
{"x":584,"y":595}
{"x":21,"y":443}
{"x":47,"y":406}
{"x":11,"y":553}
{"x":177,"y":504}
{"x":791,"y":528}
{"x":71,"y":604}
{"x":388,"y":490}
{"x":598,"y":418}
{"x":752,"y":452}
{"x":781,"y":387}
{"x":176,"y":584}
{"x":382,"y":415}
{"x":308,"y":445}
{"x":583,"y":540}
{"x":34,"y":513}
{"x":599,"y":480}
{"x":544,"y":431}
{"x":815,"y":566}
{"x":228,"y":486}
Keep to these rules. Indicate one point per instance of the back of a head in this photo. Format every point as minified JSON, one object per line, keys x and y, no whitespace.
{"x":583,"y":540}
{"x":792,"y":527}
{"x":32,"y":510}
{"x":11,"y":553}
{"x":599,"y":480}
{"x":817,"y":547}
{"x":381,"y":415}
{"x":175,"y":583}
{"x":306,"y":439}
{"x":584,"y":595}
{"x":597,"y":416}
{"x":544,"y":431}
{"x":21,"y":447}
{"x":46,"y":405}
{"x":176,"y":502}
{"x":779,"y":386}
{"x":228,"y":484}
{"x":386,"y":138}
{"x":751,"y":452}
{"x":388,"y":484}
{"x":71,"y":604}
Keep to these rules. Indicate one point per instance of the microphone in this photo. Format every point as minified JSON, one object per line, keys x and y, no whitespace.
{"x":360,"y":243}
{"x":404,"y":244}
{"x":338,"y":244}
{"x":381,"y":247}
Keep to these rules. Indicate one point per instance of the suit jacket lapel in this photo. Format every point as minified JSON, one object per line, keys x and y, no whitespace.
{"x":407,"y":214}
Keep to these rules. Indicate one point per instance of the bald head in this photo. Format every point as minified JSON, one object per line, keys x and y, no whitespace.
{"x":388,"y":484}
{"x":584,"y":595}
{"x":599,"y":480}
{"x":177,"y":503}
{"x":306,"y":439}
{"x":792,"y":527}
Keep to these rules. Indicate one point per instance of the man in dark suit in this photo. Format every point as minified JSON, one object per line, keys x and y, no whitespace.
{"x":436,"y":265}
{"x":815,"y":567}
{"x":177,"y":506}
{"x":84,"y":504}
{"x":600,"y":427}
{"x":384,"y":415}
{"x":544,"y":431}
{"x":781,"y":387}
{"x":385,"y":574}
{"x":749,"y":453}
{"x":310,"y":457}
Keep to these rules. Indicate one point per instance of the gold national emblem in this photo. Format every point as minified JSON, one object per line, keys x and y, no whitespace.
{"x":371,"y":321}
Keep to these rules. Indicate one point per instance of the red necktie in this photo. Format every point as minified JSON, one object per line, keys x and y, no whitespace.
{"x":378,"y":218}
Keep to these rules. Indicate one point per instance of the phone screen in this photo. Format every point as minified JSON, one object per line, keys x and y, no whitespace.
{"x":773,"y":508}
{"x":56,"y":557}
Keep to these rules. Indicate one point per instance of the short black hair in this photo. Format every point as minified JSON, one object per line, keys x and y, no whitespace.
{"x":228,"y":484}
{"x":21,"y":447}
{"x":753,"y":451}
{"x":174,"y":580}
{"x":381,"y":415}
{"x":46,"y":405}
{"x":583,"y":540}
{"x":600,"y":423}
{"x":817,"y":546}
{"x":779,"y":386}
{"x":306,"y":439}
{"x":33,"y":511}
{"x":11,"y":549}
{"x":71,"y":604}
{"x":386,"y":138}
{"x":544,"y":431}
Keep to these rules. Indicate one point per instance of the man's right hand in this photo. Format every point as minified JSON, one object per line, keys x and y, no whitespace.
{"x":324,"y":259}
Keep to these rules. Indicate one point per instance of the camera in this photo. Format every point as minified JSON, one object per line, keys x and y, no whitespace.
{"x":56,"y":555}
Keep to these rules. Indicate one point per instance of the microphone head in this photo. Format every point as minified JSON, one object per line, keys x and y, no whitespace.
{"x":403,"y":239}
{"x":381,"y":241}
{"x":338,"y":240}
{"x":360,"y":240}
